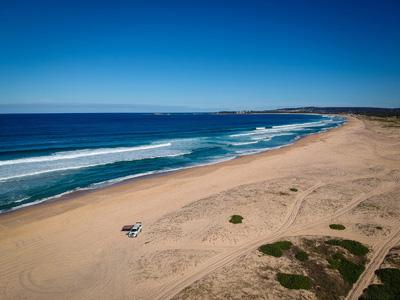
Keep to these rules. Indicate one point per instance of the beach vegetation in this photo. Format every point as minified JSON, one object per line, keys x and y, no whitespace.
{"x":284,"y":245}
{"x":388,"y":290}
{"x":354,"y":247}
{"x":337,"y":227}
{"x":293,"y":189}
{"x":301,"y":255}
{"x":349,"y":271}
{"x":294,"y":281}
{"x":389,"y":276}
{"x":275,"y":249}
{"x":236,"y":219}
{"x":378,"y":292}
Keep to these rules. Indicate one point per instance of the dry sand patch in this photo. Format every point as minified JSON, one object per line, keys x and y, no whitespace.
{"x":165,"y":263}
{"x":262,"y":205}
{"x":330,"y":197}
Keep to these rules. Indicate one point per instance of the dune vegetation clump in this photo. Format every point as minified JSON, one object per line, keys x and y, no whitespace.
{"x":389,"y":289}
{"x":349,"y":270}
{"x":301,"y":255}
{"x":294,"y":281}
{"x":293,"y":189}
{"x":337,"y":227}
{"x":275,"y":249}
{"x":236,"y":219}
{"x":354,"y":247}
{"x":390,"y":276}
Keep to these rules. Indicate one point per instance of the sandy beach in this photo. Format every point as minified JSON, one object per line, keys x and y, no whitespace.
{"x":73,"y":248}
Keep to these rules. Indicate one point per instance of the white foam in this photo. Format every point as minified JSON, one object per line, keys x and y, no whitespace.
{"x":269,"y":136}
{"x":42,"y":200}
{"x":23,"y":199}
{"x":82,"y":167}
{"x":243,"y":143}
{"x":255,"y":132}
{"x":282,"y":128}
{"x":300,"y":125}
{"x":79,"y":154}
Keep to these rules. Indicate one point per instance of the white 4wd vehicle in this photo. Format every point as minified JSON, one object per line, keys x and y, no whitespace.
{"x":135,"y":230}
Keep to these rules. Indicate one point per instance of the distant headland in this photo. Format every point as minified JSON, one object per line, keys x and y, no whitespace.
{"x":368,"y":111}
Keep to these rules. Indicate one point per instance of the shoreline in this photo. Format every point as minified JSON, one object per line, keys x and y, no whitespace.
{"x":74,"y":249}
{"x":75,"y":195}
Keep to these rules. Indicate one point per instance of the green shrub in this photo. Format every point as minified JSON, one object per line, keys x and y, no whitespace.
{"x":301,"y":255}
{"x":270,"y":249}
{"x":389,"y":290}
{"x":335,"y":260}
{"x":350,"y":271}
{"x":337,"y":227}
{"x":389,"y":276}
{"x":353,"y":246}
{"x":236,"y":219}
{"x":293,"y":189}
{"x":293,"y":281}
{"x":275,"y":249}
{"x":377,"y":292}
{"x":284,"y":245}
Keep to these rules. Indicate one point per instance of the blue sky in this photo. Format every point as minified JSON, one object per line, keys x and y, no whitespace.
{"x":197,"y":55}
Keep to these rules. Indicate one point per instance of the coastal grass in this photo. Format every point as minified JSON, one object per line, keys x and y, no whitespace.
{"x":301,"y":255}
{"x":236,"y":219}
{"x":390,"y":289}
{"x":337,"y":227}
{"x":294,"y":281}
{"x":275,"y":249}
{"x":293,"y":189}
{"x":354,"y":247}
{"x":350,"y":271}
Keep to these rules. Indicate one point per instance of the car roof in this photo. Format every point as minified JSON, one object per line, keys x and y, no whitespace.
{"x":136,"y":226}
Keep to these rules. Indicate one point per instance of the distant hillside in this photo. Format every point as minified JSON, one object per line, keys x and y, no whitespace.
{"x":368,"y":111}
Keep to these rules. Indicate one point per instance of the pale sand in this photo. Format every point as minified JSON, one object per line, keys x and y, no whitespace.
{"x":73,"y":248}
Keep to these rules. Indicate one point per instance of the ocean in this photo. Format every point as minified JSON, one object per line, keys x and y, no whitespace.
{"x":45,"y":156}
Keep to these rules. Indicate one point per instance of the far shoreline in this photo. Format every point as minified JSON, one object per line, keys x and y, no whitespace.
{"x":73,"y":196}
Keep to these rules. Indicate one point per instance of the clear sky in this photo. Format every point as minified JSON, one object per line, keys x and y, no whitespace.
{"x":197,"y":55}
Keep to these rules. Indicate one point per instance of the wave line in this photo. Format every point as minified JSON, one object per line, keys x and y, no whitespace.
{"x":79,"y":153}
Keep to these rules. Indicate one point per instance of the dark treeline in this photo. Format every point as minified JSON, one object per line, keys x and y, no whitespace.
{"x":368,"y":111}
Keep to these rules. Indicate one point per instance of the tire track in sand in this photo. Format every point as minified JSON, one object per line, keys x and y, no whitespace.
{"x":384,"y":187}
{"x":170,"y":289}
{"x":374,"y":264}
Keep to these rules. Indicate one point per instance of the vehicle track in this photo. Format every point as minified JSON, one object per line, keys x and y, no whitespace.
{"x":169,"y":290}
{"x":385,"y":187}
{"x":374,"y":264}
{"x":172,"y":288}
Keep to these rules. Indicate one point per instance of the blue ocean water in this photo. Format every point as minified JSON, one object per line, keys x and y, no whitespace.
{"x":43,"y":156}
